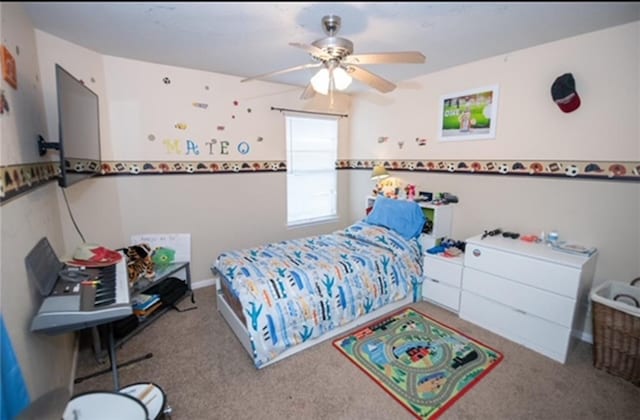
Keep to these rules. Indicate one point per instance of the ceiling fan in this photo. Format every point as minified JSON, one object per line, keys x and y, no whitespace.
{"x":338,"y":65}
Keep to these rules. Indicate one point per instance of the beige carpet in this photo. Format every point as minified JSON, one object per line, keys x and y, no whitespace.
{"x":206,"y":374}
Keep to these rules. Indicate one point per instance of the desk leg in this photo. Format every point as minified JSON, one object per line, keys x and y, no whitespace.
{"x":113,"y":359}
{"x":188,"y":270}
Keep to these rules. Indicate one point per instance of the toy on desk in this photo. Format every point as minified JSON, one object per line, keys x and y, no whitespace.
{"x":162,"y":256}
{"x":139,"y":262}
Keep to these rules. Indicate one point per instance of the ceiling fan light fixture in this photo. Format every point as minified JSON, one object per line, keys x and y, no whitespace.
{"x":341,"y":78}
{"x":320,"y":81}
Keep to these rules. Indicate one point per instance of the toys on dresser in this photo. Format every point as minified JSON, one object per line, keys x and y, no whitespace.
{"x":448,"y":248}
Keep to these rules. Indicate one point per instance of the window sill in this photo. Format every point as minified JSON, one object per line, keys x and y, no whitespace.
{"x":312,"y":222}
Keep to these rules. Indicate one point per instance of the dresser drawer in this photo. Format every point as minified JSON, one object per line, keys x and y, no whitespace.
{"x":556,"y":278}
{"x":441,"y":294}
{"x":535,"y":333}
{"x":543,"y":304}
{"x":439,"y":268}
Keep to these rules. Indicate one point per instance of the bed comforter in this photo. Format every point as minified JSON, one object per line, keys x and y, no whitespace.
{"x":296,"y":290}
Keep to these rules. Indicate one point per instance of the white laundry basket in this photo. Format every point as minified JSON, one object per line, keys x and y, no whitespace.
{"x":616,"y":329}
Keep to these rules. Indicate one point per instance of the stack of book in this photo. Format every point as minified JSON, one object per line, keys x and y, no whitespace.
{"x":145,"y":305}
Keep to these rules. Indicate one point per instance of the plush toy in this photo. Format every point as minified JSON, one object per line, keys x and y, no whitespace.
{"x":139,"y":262}
{"x":162,"y":257}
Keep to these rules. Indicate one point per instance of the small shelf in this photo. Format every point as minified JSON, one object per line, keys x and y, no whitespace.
{"x":141,"y":286}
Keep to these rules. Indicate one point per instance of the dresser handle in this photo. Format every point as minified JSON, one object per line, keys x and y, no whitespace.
{"x":476,"y":252}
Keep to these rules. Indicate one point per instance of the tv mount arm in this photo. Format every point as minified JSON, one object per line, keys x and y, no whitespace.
{"x":43,"y":146}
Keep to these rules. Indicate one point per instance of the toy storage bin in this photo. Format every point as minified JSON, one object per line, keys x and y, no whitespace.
{"x":616,"y":329}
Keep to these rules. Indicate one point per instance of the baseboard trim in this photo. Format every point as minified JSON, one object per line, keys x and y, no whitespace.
{"x":583,"y":336}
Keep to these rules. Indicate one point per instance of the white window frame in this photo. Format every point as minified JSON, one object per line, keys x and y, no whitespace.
{"x":332,"y":203}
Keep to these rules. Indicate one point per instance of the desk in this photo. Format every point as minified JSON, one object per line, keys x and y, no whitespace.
{"x":181,"y":270}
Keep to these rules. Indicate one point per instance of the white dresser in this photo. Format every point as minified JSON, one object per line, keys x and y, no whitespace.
{"x":442,"y":280}
{"x":526,"y":292}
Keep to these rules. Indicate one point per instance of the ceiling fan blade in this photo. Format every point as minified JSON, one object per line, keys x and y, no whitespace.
{"x":273,"y":73}
{"x":308,"y":92}
{"x":311,"y":49}
{"x":410,"y":57}
{"x":370,"y":79}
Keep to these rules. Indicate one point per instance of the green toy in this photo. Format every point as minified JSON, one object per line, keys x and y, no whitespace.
{"x":162,"y":257}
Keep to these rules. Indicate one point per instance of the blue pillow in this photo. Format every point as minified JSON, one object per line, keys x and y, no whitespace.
{"x":403,"y":216}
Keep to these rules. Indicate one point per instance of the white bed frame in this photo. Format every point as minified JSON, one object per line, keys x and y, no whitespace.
{"x":241,"y":332}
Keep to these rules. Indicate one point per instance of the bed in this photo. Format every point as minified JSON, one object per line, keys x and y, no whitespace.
{"x":283,"y":297}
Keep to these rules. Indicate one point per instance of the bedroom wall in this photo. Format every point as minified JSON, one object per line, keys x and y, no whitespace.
{"x":221,"y":209}
{"x":45,"y":361}
{"x":604,"y":212}
{"x":188,"y":151}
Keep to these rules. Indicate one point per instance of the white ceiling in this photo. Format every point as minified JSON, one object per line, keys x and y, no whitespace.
{"x":247,"y":39}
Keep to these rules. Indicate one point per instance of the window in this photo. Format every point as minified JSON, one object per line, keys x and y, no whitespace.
{"x":312,"y":144}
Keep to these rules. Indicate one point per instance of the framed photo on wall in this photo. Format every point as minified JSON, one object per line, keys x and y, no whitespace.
{"x":469,"y":115}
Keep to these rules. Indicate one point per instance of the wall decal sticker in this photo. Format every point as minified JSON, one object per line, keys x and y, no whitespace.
{"x":4,"y":104}
{"x":400,"y":144}
{"x":9,"y":73}
{"x":151,"y":137}
{"x":259,"y":139}
{"x":233,"y":117}
{"x":192,"y":147}
{"x":180,"y":126}
{"x":93,"y":80}
{"x":173,"y":146}
{"x":166,"y":80}
{"x":382,"y":139}
{"x":421,"y":142}
{"x":235,"y":103}
{"x":200,"y":105}
{"x":17,"y":50}
{"x":243,"y":147}
{"x":206,"y":87}
{"x":220,"y":128}
{"x":249,"y":110}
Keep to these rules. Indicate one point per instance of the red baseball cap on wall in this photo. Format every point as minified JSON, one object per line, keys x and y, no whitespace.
{"x":563,"y":92}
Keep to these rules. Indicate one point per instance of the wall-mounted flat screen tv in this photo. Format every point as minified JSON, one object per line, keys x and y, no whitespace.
{"x":79,"y":129}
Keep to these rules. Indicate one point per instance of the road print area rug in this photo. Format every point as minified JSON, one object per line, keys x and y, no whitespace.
{"x":423,"y":364}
